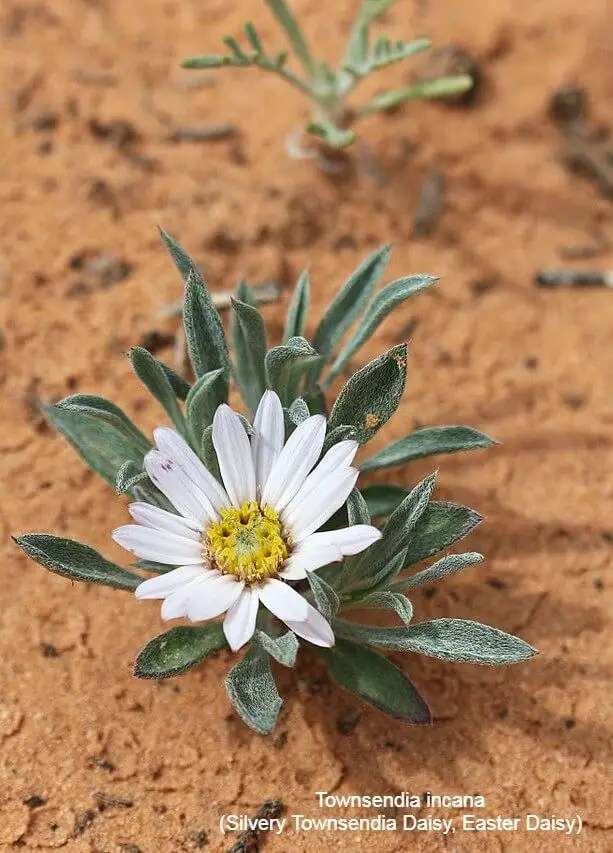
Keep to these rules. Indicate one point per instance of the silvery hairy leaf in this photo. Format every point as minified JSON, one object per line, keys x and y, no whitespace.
{"x":253,"y":692}
{"x":177,"y":650}
{"x":371,"y":396}
{"x":376,"y":680}
{"x":76,"y":561}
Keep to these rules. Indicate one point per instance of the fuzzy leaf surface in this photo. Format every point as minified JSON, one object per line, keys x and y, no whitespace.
{"x":298,"y":310}
{"x":253,"y":692}
{"x":287,"y":365}
{"x":371,"y":396}
{"x":385,"y":301}
{"x":383,"y":498}
{"x":177,"y":650}
{"x":103,"y":446}
{"x":441,"y":525}
{"x":447,"y":639}
{"x":76,"y":561}
{"x":427,"y":442}
{"x":155,"y":379}
{"x":376,"y":680}
{"x":207,"y":393}
{"x":448,"y":565}
{"x":283,"y":649}
{"x":349,"y":302}
{"x":250,"y":347}
{"x":206,"y":343}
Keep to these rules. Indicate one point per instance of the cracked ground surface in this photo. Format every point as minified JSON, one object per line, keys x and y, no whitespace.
{"x":532,"y":368}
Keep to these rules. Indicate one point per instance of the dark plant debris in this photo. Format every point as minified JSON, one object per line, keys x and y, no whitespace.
{"x":198,"y":838}
{"x":104,"y":800}
{"x":49,"y":650}
{"x":203,"y":133}
{"x":250,"y":840}
{"x":35,"y":801}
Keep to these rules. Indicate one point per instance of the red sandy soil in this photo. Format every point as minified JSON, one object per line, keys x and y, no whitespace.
{"x":531,"y":367}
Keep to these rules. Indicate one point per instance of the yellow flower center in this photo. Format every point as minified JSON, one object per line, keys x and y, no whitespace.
{"x":249,"y":542}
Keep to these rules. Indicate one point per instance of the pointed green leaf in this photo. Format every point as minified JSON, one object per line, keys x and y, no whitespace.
{"x":208,"y":392}
{"x":383,"y":498}
{"x":399,"y":530}
{"x":376,"y":680}
{"x":315,"y":399}
{"x":338,"y":434}
{"x":287,"y":365}
{"x":253,"y":692}
{"x":76,"y":561}
{"x":427,"y":442}
{"x":206,"y":343}
{"x":152,"y":566}
{"x":441,"y":525}
{"x":103,"y":446}
{"x":448,"y":565}
{"x":154,"y":378}
{"x":178,"y":650}
{"x":290,"y":25}
{"x":326,"y":599}
{"x":179,"y":385}
{"x":128,"y":476}
{"x":250,"y":347}
{"x":298,"y":310}
{"x":390,"y":297}
{"x":357,"y":509}
{"x":283,"y":649}
{"x":99,"y":407}
{"x":350,"y":301}
{"x":208,"y":455}
{"x":209,"y":61}
{"x":440,"y":88}
{"x":371,"y":396}
{"x":386,"y":600}
{"x":253,"y":37}
{"x":447,"y":639}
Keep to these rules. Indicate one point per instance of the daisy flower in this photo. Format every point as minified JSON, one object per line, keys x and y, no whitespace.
{"x":239,"y":544}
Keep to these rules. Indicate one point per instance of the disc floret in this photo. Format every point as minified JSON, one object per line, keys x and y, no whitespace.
{"x":249,"y":543}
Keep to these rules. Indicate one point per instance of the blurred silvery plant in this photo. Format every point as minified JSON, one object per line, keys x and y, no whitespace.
{"x":329,"y":89}
{"x":261,"y":518}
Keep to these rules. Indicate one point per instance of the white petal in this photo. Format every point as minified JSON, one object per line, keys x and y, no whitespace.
{"x":169,"y":582}
{"x":234,"y":455}
{"x":212,"y":596}
{"x":332,"y":495}
{"x":300,"y":453}
{"x":175,"y":447}
{"x":283,"y":601}
{"x":348,"y":540}
{"x":172,"y":481}
{"x":269,"y":435}
{"x":315,"y":629}
{"x":293,"y":573}
{"x":307,"y":557}
{"x":175,"y":606}
{"x":239,"y":624}
{"x":336,"y":460}
{"x":158,"y":545}
{"x":160,"y":519}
